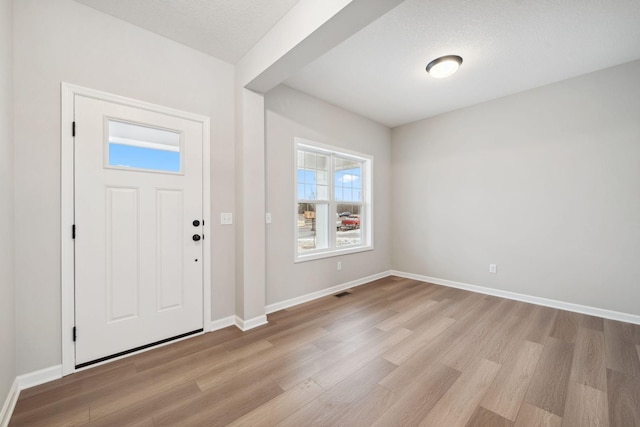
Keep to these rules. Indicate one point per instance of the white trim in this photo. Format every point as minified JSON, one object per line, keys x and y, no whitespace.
{"x":271,"y":308}
{"x":561,"y":305}
{"x":67,"y":219}
{"x":222,"y":323}
{"x":245,"y":325}
{"x":9,"y":404}
{"x":366,"y":204}
{"x":333,"y":253}
{"x":144,"y":144}
{"x":207,"y":227}
{"x":42,"y":376}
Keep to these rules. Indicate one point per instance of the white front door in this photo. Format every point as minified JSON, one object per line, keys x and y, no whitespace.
{"x":138,"y":219}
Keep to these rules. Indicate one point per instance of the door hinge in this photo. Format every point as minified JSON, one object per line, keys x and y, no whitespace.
{"x":73,"y":231}
{"x":74,"y":334}
{"x":73,"y":129}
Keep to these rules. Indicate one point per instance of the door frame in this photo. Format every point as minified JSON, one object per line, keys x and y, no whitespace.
{"x":67,"y":201}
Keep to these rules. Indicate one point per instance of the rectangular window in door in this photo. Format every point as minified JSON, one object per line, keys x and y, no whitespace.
{"x":137,"y":147}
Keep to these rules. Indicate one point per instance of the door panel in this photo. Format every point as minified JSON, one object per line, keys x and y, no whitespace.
{"x":138,"y":187}
{"x":121,"y":257}
{"x":170,"y":248}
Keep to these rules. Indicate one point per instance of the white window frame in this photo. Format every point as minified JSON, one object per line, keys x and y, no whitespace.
{"x":366,"y":214}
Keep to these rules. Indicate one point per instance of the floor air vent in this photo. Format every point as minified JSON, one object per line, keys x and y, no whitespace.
{"x":342,"y":294}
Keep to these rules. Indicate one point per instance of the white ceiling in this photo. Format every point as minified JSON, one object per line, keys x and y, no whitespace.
{"x":508,"y":46}
{"x":225,"y":29}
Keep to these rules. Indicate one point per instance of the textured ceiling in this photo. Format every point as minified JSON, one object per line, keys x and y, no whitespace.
{"x":508,"y":46}
{"x":225,"y":29}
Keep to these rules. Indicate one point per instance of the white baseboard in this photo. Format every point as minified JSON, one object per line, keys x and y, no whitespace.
{"x":42,"y":376}
{"x":562,"y":305}
{"x":271,"y":308}
{"x":245,"y":325}
{"x":22,"y":382}
{"x":222,"y":323}
{"x":9,"y":404}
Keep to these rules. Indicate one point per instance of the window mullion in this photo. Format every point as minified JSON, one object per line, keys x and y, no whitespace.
{"x":332,"y":207}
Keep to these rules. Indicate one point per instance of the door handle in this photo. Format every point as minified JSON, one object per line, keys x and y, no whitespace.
{"x":196,"y":237}
{"x":196,"y":223}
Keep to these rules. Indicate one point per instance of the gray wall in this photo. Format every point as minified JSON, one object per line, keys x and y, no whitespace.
{"x":545,"y":184}
{"x":290,"y":114}
{"x":63,"y":41}
{"x":7,"y":312}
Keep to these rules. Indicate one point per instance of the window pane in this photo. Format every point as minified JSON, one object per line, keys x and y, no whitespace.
{"x":322,"y":177}
{"x":348,"y":177}
{"x":312,"y":171}
{"x":323,"y":192}
{"x":143,"y":147}
{"x":313,"y":230}
{"x":310,"y":176}
{"x":348,"y":228}
{"x":310,"y":192}
{"x":309,"y":160}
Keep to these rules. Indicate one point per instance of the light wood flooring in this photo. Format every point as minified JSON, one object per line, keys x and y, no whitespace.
{"x":394,"y":352}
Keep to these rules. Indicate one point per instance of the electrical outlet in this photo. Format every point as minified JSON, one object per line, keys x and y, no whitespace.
{"x":493,"y":268}
{"x":339,"y":265}
{"x":267,"y":217}
{"x":226,"y":218}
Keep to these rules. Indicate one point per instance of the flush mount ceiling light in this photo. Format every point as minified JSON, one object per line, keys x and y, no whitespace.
{"x":444,"y":66}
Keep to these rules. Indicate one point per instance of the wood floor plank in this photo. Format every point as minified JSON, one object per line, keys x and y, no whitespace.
{"x":540,"y":324}
{"x":566,"y":326}
{"x":589,"y":364}
{"x":123,"y":413}
{"x":530,"y":416}
{"x":621,"y":352}
{"x":502,"y":310}
{"x":403,"y":316}
{"x":262,"y":365}
{"x":307,"y":367}
{"x":507,"y":391}
{"x":339,"y":371}
{"x":282,"y":406}
{"x":83,"y":381}
{"x":341,"y":397}
{"x":485,"y":418}
{"x":458,"y":404}
{"x":417,"y":340}
{"x":217,"y":407}
{"x":623,"y":395}
{"x":427,"y":315}
{"x":325,"y":363}
{"x":459,"y":356}
{"x":56,"y":415}
{"x":500,"y":346}
{"x":421,"y":361}
{"x":592,"y":322}
{"x":338,"y":335}
{"x":419,"y":398}
{"x":368,"y":409}
{"x":586,"y":407}
{"x":548,"y":388}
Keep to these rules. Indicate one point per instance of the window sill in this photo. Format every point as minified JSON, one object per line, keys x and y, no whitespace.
{"x":330,"y":254}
